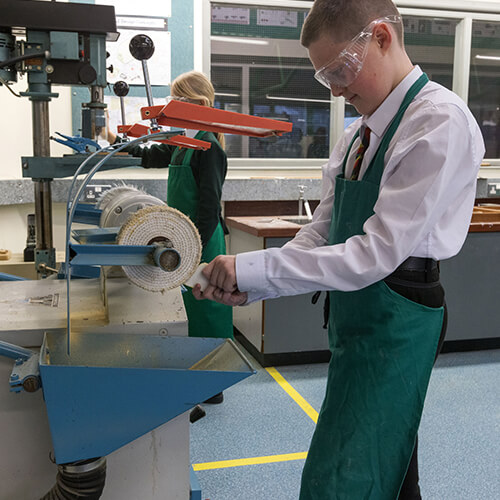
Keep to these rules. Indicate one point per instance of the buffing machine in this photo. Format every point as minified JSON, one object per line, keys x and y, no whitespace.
{"x":115,"y":376}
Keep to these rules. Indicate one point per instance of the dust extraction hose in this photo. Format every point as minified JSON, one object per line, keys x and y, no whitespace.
{"x":79,"y":480}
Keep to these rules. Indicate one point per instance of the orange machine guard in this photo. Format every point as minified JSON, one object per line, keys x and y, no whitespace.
{"x":194,"y":116}
{"x":138,"y":130}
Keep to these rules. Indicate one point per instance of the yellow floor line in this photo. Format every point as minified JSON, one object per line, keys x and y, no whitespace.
{"x":311,"y":412}
{"x":222,"y":464}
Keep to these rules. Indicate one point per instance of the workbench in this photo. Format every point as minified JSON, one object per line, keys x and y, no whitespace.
{"x":290,"y":330}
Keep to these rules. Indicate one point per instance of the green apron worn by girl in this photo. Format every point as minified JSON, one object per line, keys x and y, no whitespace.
{"x":205,"y":318}
{"x":383,"y":347}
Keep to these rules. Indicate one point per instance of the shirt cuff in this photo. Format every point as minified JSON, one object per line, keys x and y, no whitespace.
{"x":250,"y":272}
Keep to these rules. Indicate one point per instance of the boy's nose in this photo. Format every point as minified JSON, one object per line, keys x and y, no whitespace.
{"x":337,"y":91}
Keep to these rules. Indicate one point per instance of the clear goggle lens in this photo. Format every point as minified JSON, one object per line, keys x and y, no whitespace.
{"x":343,"y":70}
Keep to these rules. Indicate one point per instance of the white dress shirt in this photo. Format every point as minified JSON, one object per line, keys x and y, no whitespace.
{"x":424,"y":208}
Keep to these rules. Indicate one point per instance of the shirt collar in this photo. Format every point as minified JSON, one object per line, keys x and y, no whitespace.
{"x":191,"y":133}
{"x":380,"y":119}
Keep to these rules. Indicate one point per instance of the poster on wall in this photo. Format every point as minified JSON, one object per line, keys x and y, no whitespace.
{"x":274,"y":17}
{"x":133,"y":107}
{"x":129,"y":69}
{"x":152,"y":8}
{"x":230,"y":15}
{"x":141,"y":22}
{"x":443,"y":27}
{"x":486,"y":30}
{"x":148,"y":17}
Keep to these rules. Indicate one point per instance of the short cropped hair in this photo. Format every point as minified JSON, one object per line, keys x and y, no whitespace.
{"x":344,"y":19}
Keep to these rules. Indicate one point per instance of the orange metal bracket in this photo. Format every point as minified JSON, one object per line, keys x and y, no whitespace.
{"x":138,"y":130}
{"x":193,"y":116}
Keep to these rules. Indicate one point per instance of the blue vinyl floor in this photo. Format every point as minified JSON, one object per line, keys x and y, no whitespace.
{"x":261,"y":422}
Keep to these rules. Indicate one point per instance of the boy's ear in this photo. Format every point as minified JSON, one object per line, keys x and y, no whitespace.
{"x":383,"y":36}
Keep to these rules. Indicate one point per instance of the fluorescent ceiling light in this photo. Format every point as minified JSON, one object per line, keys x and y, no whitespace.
{"x":227,"y":94}
{"x":277,"y":98}
{"x":489,"y":58}
{"x":236,"y":39}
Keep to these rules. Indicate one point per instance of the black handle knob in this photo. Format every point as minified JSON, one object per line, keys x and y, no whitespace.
{"x":141,"y":47}
{"x":121,"y":88}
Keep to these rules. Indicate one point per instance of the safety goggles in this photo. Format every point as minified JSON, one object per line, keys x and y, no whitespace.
{"x":343,"y":70}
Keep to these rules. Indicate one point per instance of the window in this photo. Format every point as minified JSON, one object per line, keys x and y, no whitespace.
{"x":274,"y":79}
{"x":484,"y":83}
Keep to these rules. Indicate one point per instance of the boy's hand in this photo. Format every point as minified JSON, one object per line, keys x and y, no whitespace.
{"x":221,"y":273}
{"x":223,"y":288}
{"x":232,"y":299}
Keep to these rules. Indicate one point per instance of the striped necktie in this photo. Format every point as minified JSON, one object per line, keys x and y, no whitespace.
{"x":365,"y":141}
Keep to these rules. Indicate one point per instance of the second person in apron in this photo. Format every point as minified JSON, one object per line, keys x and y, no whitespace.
{"x":195,"y":180}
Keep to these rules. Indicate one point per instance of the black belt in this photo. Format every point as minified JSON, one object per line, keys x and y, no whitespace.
{"x":419,"y":264}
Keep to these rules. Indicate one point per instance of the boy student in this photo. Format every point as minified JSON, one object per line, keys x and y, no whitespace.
{"x":398,"y":192}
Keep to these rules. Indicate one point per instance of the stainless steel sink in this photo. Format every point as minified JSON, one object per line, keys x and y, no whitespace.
{"x":295,"y":219}
{"x":299,"y":219}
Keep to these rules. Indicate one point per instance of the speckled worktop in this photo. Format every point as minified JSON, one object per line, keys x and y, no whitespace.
{"x":20,"y":191}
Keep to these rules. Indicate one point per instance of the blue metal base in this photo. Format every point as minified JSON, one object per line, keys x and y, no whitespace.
{"x":116,"y":387}
{"x":194,"y":486}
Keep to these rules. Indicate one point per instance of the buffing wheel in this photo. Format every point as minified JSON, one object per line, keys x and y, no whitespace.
{"x":163,"y":225}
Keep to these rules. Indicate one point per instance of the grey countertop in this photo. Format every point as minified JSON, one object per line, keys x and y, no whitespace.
{"x":20,"y":191}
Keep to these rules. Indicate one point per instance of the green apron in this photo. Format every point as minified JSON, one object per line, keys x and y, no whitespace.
{"x":383,"y":347}
{"x":206,"y":318}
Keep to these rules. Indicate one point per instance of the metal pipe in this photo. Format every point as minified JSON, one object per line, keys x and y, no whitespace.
{"x":43,"y":195}
{"x":122,"y":107}
{"x":97,"y":94}
{"x":93,"y":118}
{"x":149,"y":94}
{"x":167,"y":259}
{"x":41,"y":130}
{"x":43,"y":214}
{"x":14,"y":351}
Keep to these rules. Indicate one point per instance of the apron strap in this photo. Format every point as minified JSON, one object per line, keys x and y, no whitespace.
{"x":356,"y":135}
{"x":384,"y":143}
{"x":373,"y":174}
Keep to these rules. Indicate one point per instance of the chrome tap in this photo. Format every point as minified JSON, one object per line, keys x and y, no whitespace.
{"x":303,"y":203}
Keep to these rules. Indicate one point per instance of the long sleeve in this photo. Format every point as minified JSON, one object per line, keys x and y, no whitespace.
{"x":209,"y":169}
{"x":424,"y":206}
{"x":155,"y":156}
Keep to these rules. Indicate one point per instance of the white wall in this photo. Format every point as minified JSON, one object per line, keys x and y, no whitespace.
{"x":13,"y":226}
{"x":16,"y":128}
{"x":16,"y":140}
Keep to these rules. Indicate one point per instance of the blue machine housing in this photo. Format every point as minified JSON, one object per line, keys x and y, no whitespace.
{"x":116,"y":387}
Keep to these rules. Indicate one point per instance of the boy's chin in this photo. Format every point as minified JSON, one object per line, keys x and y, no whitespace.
{"x":363,"y":108}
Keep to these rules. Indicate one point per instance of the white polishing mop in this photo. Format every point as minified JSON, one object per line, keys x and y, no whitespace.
{"x":164,"y":225}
